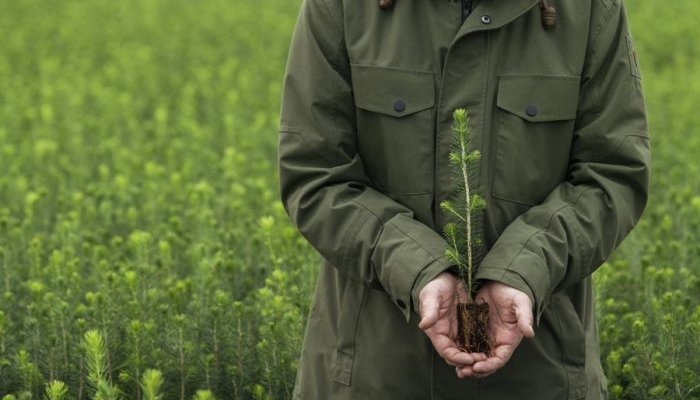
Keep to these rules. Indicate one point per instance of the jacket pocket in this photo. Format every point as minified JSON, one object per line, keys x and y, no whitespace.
{"x":351,"y":302}
{"x":535,"y":122}
{"x":573,"y":345}
{"x":395,"y":139}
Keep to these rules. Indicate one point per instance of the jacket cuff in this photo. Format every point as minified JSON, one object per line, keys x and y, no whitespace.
{"x":526,"y":277}
{"x":411,"y":255}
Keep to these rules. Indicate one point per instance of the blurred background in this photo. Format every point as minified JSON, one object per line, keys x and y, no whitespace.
{"x":143,"y":250}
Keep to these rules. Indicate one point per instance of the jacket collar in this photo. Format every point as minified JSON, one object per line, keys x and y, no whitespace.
{"x":493,"y":14}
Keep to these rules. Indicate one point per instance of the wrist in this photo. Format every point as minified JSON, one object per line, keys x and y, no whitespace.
{"x":427,"y":275}
{"x":509,"y":279}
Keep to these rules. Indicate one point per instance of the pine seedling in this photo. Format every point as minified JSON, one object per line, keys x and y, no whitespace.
{"x":465,"y":204}
{"x":95,"y":350}
{"x":106,"y":391}
{"x":204,"y":395}
{"x":151,"y":383}
{"x":96,"y":358}
{"x":135,"y":360}
{"x":30,"y":374}
{"x":463,"y":235}
{"x":56,"y":390}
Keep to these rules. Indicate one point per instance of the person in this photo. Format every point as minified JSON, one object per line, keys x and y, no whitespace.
{"x":554,"y":94}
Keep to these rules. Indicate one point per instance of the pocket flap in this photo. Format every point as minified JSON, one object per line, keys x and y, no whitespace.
{"x":392,"y":91}
{"x":539,"y":98}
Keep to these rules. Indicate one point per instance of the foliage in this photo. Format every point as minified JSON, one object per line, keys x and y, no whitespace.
{"x":97,"y":367}
{"x":647,"y":299}
{"x":138,"y":201}
{"x":151,"y":384}
{"x":466,"y":205}
{"x":56,"y":390}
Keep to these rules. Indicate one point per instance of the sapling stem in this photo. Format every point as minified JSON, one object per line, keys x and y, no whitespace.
{"x":462,"y":234}
{"x":464,"y":204}
{"x":463,"y":132}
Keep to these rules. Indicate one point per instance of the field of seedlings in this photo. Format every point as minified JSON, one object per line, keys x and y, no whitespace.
{"x":144,"y":253}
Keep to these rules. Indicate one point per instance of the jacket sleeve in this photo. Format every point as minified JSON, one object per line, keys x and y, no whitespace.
{"x":563,"y":240}
{"x":362,"y":232}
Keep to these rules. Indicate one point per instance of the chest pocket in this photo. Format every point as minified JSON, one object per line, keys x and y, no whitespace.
{"x":395,"y":138}
{"x":534,"y":123}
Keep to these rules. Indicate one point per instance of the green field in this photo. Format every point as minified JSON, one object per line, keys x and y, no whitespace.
{"x":143,"y":249}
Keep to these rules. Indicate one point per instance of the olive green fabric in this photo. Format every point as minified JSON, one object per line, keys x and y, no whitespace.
{"x":363,"y":153}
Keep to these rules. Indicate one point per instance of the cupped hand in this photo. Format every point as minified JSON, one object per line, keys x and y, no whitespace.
{"x":438,"y":301}
{"x":510,"y":319}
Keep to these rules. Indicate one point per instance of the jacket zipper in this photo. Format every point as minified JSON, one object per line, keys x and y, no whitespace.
{"x":466,"y":9}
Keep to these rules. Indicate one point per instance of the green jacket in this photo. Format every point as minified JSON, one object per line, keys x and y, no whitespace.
{"x":367,"y":107}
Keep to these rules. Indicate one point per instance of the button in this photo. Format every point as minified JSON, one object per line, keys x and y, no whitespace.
{"x":399,"y":106}
{"x":531,"y":110}
{"x":400,"y":303}
{"x":485,"y":19}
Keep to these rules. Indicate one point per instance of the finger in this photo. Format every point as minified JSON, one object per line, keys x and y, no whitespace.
{"x":464,"y":372}
{"x":455,"y":356}
{"x":488,"y":366}
{"x":477,"y":375}
{"x":476,"y":357}
{"x":525,"y":319}
{"x":448,"y":350}
{"x":429,"y":312}
{"x":500,"y":356}
{"x":450,"y":360}
{"x":468,"y":372}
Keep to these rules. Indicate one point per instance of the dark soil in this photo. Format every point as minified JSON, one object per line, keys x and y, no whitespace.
{"x":472,"y":327}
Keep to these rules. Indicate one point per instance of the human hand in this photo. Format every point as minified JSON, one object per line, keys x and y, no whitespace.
{"x":438,"y":301}
{"x":510,"y":319}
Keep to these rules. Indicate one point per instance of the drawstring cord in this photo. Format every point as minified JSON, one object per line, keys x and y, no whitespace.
{"x":386,"y":4}
{"x":549,"y":13}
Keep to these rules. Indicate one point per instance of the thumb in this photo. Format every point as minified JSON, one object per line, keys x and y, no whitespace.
{"x":428,"y":311}
{"x":525,"y":318}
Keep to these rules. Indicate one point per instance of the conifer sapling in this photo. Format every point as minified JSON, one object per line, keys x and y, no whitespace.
{"x":463,"y":235}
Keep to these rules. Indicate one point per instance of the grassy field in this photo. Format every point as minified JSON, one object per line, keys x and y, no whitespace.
{"x":143,"y":250}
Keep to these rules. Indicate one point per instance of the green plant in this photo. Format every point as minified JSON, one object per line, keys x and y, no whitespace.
{"x":56,"y":390}
{"x":465,"y":207}
{"x":151,"y":383}
{"x":96,"y":358}
{"x":203,"y":395}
